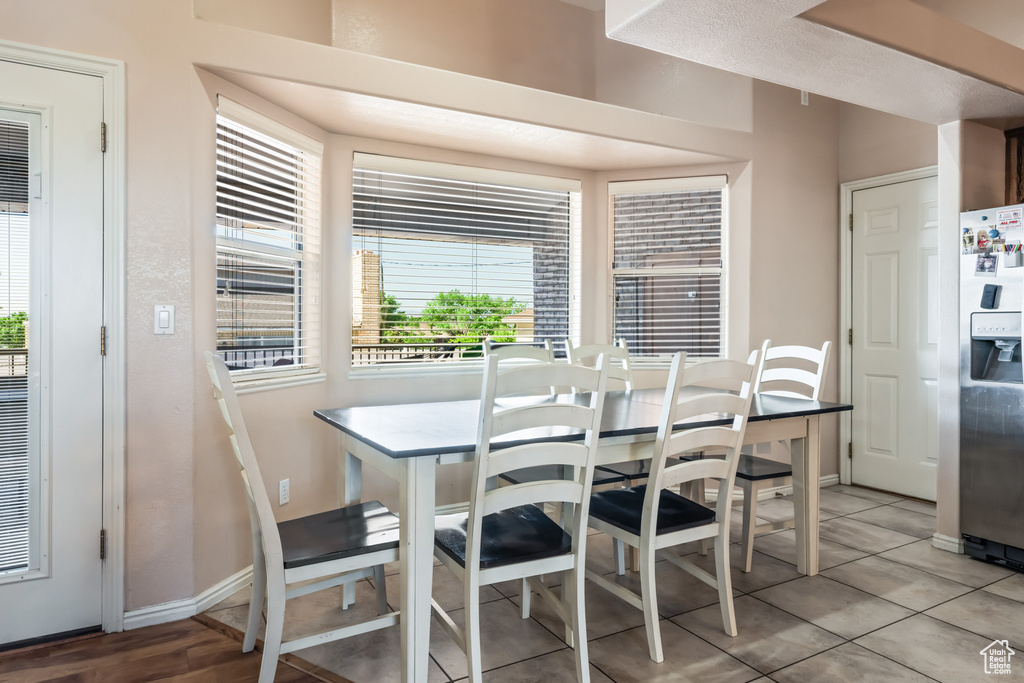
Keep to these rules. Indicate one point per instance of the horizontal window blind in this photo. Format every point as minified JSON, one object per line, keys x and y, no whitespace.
{"x":667,"y":267}
{"x":268,"y":251}
{"x":15,"y":474}
{"x":441,"y":263}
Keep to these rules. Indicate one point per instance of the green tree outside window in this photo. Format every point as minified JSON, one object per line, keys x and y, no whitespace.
{"x":12,"y":331}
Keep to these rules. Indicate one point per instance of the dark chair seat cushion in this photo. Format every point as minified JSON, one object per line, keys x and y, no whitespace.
{"x":346,"y":532}
{"x":632,"y":470}
{"x":753,"y":468}
{"x":544,"y":472}
{"x":518,"y":534}
{"x":624,"y":508}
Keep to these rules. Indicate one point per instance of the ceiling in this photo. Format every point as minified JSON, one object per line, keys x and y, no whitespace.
{"x":931,"y":60}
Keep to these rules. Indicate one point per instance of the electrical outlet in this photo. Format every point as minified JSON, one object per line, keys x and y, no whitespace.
{"x":283,"y":492}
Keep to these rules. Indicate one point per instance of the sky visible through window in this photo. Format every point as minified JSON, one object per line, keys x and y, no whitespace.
{"x":414,"y":271}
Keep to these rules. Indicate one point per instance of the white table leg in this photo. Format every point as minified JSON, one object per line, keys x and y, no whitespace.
{"x":353,"y":479}
{"x":806,"y":460}
{"x":416,"y":558}
{"x":353,"y":494}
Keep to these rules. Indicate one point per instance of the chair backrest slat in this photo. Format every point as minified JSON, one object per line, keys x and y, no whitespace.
{"x":707,"y":403}
{"x":527,"y":354}
{"x":548,"y":491}
{"x":619,"y":367}
{"x":544,"y":353}
{"x":700,"y":439}
{"x":539,"y":416}
{"x":795,"y":371}
{"x":534,"y":455}
{"x":693,"y":470}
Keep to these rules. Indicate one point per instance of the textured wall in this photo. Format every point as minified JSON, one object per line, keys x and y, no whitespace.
{"x":873,"y":143}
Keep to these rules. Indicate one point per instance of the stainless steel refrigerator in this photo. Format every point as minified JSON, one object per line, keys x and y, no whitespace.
{"x":992,"y":385}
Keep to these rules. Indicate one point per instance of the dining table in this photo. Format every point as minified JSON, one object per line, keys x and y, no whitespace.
{"x":408,"y":442}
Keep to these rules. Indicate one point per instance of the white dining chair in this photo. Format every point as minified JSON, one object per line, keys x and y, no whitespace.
{"x":505,"y":534}
{"x":620,"y":369}
{"x":620,"y":374}
{"x":652,"y":517}
{"x":797,"y":372}
{"x":511,"y":354}
{"x":310,"y":554}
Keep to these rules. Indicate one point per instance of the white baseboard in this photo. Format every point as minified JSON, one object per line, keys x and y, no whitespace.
{"x":943,"y":542}
{"x":159,"y":614}
{"x":183,"y":609}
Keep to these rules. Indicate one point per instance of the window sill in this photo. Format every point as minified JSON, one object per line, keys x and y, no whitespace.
{"x":252,"y":386}
{"x":470,"y":367}
{"x":359,"y":373}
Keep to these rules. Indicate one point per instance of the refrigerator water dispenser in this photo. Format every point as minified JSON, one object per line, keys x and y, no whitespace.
{"x":995,"y":347}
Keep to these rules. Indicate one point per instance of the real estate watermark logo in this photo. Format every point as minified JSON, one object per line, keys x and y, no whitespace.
{"x":997,"y":657}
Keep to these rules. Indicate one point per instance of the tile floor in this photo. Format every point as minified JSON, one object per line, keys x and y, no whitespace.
{"x":887,"y":606}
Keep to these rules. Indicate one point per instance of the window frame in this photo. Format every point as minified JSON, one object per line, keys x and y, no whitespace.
{"x":676,"y":184}
{"x":306,"y":258}
{"x":467,"y":173}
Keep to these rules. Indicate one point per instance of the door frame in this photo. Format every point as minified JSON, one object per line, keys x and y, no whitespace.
{"x":846,"y":299}
{"x":112,"y":73}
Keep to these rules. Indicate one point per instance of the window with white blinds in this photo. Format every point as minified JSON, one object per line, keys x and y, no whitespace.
{"x":268,"y":245}
{"x":668,"y":267}
{"x":15,"y":464}
{"x":445,"y":257}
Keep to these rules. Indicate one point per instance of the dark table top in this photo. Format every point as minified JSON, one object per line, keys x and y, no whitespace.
{"x":427,"y":429}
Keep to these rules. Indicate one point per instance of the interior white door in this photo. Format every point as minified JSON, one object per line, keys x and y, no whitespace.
{"x":53,"y":213}
{"x":895,"y":337}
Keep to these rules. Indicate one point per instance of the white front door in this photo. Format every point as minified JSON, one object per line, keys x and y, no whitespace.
{"x":895,"y":337}
{"x":51,"y":374}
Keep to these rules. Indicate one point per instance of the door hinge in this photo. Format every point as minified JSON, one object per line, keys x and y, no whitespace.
{"x":103,"y":340}
{"x":851,"y":222}
{"x":849,"y":451}
{"x":103,"y":544}
{"x":851,"y":336}
{"x":103,"y":136}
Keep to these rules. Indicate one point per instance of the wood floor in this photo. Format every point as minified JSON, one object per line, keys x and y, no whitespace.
{"x":198,"y":650}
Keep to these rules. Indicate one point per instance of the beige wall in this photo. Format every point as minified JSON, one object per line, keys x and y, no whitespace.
{"x":999,"y":18}
{"x":873,"y":143}
{"x":308,"y":20}
{"x":983,"y":165}
{"x":537,"y":43}
{"x":794,"y":240}
{"x":186,"y":521}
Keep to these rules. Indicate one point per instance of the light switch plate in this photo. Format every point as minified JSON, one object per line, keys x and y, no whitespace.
{"x":163,"y":319}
